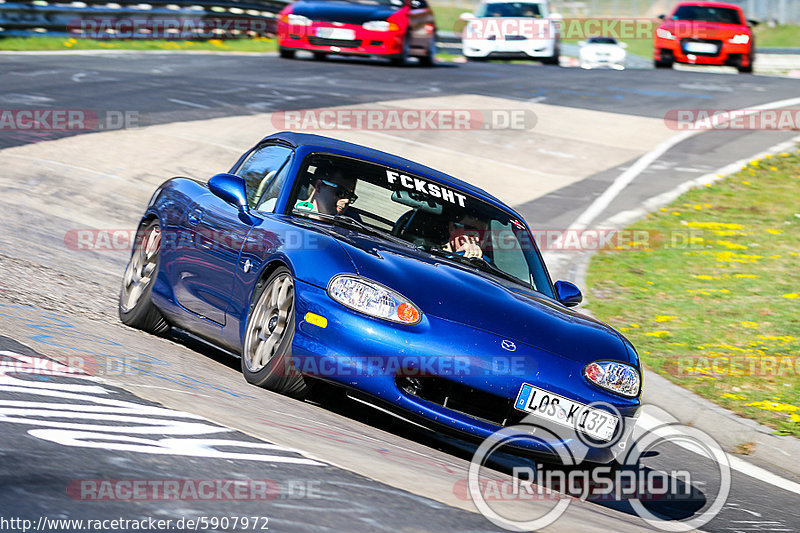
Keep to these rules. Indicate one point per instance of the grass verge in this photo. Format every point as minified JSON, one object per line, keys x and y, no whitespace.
{"x":62,"y":43}
{"x":709,"y":295}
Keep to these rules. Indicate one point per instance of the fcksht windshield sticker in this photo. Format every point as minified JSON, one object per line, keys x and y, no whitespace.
{"x":431,"y":189}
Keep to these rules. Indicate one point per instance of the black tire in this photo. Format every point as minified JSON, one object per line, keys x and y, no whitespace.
{"x":553,"y":59}
{"x":320,"y":56}
{"x":136,"y":307}
{"x":269,"y":333}
{"x":748,"y":69}
{"x":662,"y":64}
{"x":429,"y":59}
{"x":286,"y":53}
{"x":401,"y":59}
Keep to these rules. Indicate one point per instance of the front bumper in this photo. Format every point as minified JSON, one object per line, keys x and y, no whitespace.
{"x":726,"y":54}
{"x":364,"y":42}
{"x":373,"y":357}
{"x":485,"y":48}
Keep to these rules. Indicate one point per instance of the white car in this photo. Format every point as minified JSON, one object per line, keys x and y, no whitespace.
{"x":506,"y":30}
{"x":602,"y":52}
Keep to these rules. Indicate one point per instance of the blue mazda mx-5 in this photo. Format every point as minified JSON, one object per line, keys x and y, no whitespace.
{"x":421,"y":294}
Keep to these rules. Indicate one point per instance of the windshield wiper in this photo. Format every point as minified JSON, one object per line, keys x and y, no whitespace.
{"x":476,"y":263}
{"x":348,"y":222}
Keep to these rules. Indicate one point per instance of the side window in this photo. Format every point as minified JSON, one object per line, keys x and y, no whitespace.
{"x":263,"y":172}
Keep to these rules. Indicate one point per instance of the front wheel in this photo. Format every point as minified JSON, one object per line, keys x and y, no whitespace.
{"x":136,"y":308}
{"x":267,"y":352}
{"x":285,"y":53}
{"x":429,"y":59}
{"x":402,"y":58}
{"x":553,"y":59}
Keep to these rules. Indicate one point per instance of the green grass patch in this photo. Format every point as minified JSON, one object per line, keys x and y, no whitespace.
{"x":782,"y":36}
{"x":710,"y":295}
{"x":62,"y":43}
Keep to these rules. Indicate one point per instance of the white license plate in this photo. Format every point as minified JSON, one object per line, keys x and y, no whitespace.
{"x":596,"y":423}
{"x":336,"y":33}
{"x":701,"y":48}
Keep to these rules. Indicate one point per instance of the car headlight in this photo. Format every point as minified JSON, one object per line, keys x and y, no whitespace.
{"x":741,"y":38}
{"x":380,"y":25}
{"x":616,"y":377}
{"x":373,"y":299}
{"x":297,"y":20}
{"x":664,"y":34}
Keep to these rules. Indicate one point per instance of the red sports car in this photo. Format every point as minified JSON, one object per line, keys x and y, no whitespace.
{"x":395,"y":29}
{"x":705,"y":33}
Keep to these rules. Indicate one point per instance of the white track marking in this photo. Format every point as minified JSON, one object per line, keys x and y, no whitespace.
{"x":190,"y":104}
{"x":624,"y":179}
{"x":648,"y":422}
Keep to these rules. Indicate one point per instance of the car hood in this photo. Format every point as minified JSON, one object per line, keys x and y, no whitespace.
{"x":703,"y":30}
{"x":460,"y":294}
{"x":344,"y":12}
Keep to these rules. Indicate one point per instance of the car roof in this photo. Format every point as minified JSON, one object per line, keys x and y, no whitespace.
{"x":322,"y":143}
{"x":709,"y":4}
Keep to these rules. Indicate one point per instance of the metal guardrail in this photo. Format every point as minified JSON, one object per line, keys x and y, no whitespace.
{"x":176,"y":19}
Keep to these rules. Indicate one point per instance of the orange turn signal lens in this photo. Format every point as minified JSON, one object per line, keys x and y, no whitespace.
{"x":407,"y":313}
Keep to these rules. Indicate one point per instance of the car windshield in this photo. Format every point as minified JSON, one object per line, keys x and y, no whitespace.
{"x":602,"y":40}
{"x":392,"y":3}
{"x":723,"y":15}
{"x":420,"y":213}
{"x":510,"y":9}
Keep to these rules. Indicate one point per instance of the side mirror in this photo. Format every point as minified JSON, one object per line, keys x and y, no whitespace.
{"x":467,"y":17}
{"x":662,"y":17}
{"x":568,"y":294}
{"x":230,"y":188}
{"x":752,"y":22}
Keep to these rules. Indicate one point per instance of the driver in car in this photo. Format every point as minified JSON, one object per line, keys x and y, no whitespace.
{"x":331,"y":194}
{"x":465,"y":237}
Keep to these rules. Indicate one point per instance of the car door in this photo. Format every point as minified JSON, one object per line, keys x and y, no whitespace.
{"x":213,"y":233}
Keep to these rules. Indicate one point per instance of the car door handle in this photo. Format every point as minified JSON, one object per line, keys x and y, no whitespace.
{"x":194,"y":217}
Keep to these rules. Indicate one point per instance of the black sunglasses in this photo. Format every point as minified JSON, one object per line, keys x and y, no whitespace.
{"x":341,"y":191}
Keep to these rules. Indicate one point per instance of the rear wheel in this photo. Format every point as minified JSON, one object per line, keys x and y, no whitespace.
{"x":267,"y":352}
{"x":136,"y":308}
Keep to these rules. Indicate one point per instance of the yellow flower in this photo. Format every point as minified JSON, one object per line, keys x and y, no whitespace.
{"x":703,"y":276}
{"x":714,"y":225}
{"x":774,"y":406}
{"x":795,"y":418}
{"x":733,"y":396}
{"x":676,"y":213}
{"x":732,"y":245}
{"x":659,"y":333}
{"x":748,"y":324}
{"x":773,"y":168}
{"x":774,"y":231}
{"x":635,"y":325}
{"x":792,"y":295}
{"x":665,"y":318}
{"x":745,"y":183}
{"x":745,"y":276}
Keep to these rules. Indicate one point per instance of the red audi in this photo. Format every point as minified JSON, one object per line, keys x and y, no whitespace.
{"x":705,"y":33}
{"x":395,"y":29}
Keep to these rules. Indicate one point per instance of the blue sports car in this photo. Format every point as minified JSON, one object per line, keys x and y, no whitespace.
{"x":317,"y":259}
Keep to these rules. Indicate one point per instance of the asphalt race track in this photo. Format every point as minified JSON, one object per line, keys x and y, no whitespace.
{"x":176,"y":411}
